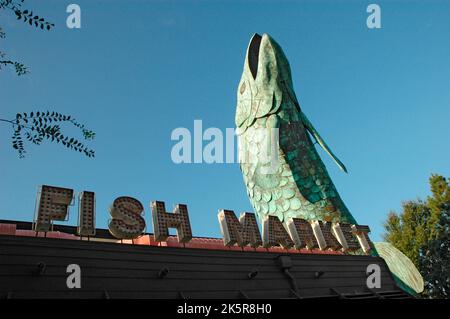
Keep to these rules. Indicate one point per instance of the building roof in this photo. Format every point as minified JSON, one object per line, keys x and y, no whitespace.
{"x":35,"y":267}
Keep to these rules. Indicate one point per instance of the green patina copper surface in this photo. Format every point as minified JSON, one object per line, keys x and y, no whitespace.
{"x":300,"y":185}
{"x":402,"y":268}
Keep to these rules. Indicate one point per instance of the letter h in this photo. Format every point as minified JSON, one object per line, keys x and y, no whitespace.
{"x":163,"y":220}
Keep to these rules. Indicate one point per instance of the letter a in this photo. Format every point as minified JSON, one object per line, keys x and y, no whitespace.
{"x":374,"y":20}
{"x":374,"y":278}
{"x":74,"y":279}
{"x":73,"y":21}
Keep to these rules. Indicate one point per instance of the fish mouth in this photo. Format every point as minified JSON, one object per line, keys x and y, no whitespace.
{"x":253,"y":54}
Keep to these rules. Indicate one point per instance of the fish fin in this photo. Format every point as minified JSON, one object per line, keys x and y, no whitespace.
{"x":320,"y":141}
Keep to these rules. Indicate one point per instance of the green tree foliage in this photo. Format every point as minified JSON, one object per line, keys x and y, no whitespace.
{"x":434,"y":260}
{"x":4,"y":61}
{"x":408,"y":231}
{"x":25,"y":15}
{"x":421,"y":232}
{"x":15,"y":6}
{"x":37,"y":126}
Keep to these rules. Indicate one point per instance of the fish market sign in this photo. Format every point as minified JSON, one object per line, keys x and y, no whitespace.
{"x":127,"y":222}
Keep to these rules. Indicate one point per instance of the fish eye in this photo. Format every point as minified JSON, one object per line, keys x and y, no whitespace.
{"x":242,"y":89}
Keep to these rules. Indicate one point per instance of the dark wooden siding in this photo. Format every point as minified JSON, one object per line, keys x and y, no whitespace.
{"x":131,"y":271}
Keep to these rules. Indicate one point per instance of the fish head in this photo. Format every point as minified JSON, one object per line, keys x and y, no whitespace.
{"x":267,"y":62}
{"x":266,"y":75}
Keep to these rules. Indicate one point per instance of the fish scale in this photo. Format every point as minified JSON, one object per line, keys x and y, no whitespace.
{"x":297,"y":184}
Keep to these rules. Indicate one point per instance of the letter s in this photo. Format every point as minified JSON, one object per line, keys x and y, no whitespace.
{"x":126,"y":222}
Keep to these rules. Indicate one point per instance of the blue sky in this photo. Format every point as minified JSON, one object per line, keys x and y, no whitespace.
{"x":136,"y":70}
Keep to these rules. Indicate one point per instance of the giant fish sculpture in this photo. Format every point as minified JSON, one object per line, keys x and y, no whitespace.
{"x":292,"y":181}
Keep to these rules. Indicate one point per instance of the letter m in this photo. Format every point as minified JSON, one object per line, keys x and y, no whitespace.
{"x":243,"y":231}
